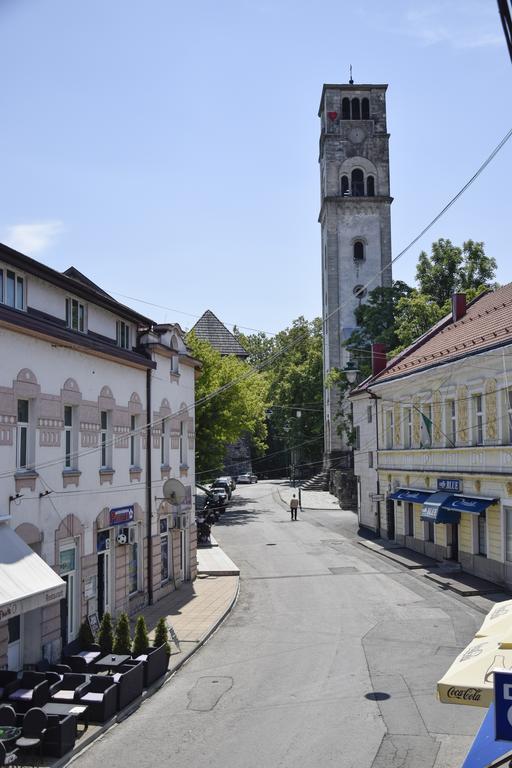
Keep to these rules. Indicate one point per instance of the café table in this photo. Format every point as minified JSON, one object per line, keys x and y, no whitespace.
{"x":9,"y":732}
{"x":80,"y":711}
{"x":111,"y":661}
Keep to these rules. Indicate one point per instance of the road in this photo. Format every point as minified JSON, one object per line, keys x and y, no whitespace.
{"x":329,"y":658}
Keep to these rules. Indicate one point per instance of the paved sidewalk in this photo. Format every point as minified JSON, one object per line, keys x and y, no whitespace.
{"x":310,"y":499}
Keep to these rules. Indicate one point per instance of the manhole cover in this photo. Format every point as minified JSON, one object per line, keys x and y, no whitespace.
{"x":271,"y":545}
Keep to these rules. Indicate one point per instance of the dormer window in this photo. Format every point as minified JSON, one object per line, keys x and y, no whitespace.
{"x":76,"y":315}
{"x":123,"y":335}
{"x":12,"y":289}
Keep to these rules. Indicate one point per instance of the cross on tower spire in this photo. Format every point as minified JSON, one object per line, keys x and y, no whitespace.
{"x":351,"y":81}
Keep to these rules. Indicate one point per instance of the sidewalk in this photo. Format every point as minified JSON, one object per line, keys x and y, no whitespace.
{"x":309,"y":499}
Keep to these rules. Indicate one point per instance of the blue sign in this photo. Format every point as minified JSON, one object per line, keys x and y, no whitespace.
{"x":120,"y":515}
{"x":503,"y":705}
{"x":449,"y":484}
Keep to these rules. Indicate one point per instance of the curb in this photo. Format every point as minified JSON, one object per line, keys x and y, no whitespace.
{"x":134,"y":706}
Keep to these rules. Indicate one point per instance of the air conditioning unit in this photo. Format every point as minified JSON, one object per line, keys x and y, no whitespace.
{"x":107,"y":543}
{"x":132,"y":534}
{"x":122,"y":538}
{"x":182,"y":522}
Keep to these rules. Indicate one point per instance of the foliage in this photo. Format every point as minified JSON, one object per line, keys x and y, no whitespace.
{"x":122,"y":640}
{"x":106,"y":634}
{"x":415,"y":314}
{"x":85,"y":635}
{"x":258,"y":345}
{"x":141,"y":639}
{"x":162,"y":635}
{"x":238,"y":407}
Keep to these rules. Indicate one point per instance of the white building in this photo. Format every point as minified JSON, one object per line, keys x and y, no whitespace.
{"x":96,"y":411}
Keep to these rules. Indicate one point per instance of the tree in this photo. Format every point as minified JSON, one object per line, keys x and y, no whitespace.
{"x":258,"y":345}
{"x":85,"y":635}
{"x":231,"y":400}
{"x":162,"y":635}
{"x":122,"y":640}
{"x":415,"y":315}
{"x":106,"y":634}
{"x":141,"y":639}
{"x":478,"y":271}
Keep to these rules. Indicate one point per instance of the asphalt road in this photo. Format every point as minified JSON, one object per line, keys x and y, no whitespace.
{"x":329,"y":658}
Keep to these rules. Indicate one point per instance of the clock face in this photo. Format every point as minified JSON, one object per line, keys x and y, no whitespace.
{"x":357,"y":135}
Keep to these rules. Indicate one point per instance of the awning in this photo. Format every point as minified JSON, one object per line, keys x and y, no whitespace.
{"x":435,"y":509}
{"x":26,"y":581}
{"x":473,"y":504}
{"x":409,"y":494}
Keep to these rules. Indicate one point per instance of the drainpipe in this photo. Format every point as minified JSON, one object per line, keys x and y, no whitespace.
{"x":149,"y":498}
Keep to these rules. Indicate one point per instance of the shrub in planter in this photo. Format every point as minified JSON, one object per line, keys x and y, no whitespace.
{"x":162,"y":636}
{"x":141,"y":640}
{"x":106,"y":634}
{"x":122,"y":639}
{"x":85,"y":635}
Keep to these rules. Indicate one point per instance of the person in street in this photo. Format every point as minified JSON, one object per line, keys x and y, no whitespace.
{"x":294,"y":505}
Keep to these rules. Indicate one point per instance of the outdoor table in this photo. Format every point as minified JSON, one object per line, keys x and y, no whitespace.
{"x":9,"y":732}
{"x":112,"y":661}
{"x":78,"y":710}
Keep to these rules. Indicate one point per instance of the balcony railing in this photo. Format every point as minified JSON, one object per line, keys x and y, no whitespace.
{"x":477,"y":458}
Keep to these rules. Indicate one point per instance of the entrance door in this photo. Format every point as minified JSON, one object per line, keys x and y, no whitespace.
{"x":390,"y":518}
{"x":103,"y":583}
{"x":14,"y":650}
{"x":182,"y":555}
{"x":69,"y":606}
{"x":455,"y":543}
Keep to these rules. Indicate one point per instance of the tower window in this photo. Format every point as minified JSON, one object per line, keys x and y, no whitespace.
{"x":359,"y":292}
{"x":344,"y":186}
{"x":356,"y":109}
{"x":358,"y":251}
{"x":357,"y":183}
{"x":345,"y":109}
{"x":365,"y":109}
{"x":370,"y":186}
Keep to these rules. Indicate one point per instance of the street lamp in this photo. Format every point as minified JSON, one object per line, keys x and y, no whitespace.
{"x":351,"y":371}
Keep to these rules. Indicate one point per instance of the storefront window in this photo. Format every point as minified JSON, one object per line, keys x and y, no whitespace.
{"x":410,"y":519}
{"x":133,"y":566}
{"x":429,"y":531}
{"x":508,"y":533}
{"x":482,"y":534}
{"x":164,"y":550}
{"x":67,"y":559}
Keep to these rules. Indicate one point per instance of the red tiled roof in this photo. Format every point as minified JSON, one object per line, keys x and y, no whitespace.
{"x":487,"y":323}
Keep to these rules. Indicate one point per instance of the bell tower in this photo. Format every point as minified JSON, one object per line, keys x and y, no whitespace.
{"x":355,"y":221}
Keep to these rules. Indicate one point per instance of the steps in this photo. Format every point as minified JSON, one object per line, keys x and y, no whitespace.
{"x":319,"y":482}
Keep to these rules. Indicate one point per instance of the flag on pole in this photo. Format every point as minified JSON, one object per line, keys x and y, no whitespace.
{"x":425,"y":431}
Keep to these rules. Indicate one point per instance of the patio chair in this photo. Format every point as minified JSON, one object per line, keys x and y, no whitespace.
{"x":81,"y":659}
{"x":155,"y":662}
{"x":68,"y":688}
{"x":130,"y":682}
{"x":6,"y":677}
{"x":60,"y":735}
{"x":33,"y":730}
{"x":6,"y":758}
{"x":31,"y":689}
{"x":100,"y":695}
{"x":7,"y":715}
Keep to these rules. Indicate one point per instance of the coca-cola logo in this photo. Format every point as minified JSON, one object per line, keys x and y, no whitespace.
{"x":465,"y":694}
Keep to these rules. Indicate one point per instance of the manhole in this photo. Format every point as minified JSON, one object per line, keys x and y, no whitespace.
{"x":271,"y":545}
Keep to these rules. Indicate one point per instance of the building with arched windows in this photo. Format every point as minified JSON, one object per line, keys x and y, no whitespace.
{"x":355,"y":222}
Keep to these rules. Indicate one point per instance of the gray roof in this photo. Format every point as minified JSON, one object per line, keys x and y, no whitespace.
{"x":209,"y":328}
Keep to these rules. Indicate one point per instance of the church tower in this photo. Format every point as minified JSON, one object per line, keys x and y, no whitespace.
{"x":355,"y":219}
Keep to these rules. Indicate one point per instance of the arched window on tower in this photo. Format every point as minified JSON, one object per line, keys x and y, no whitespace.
{"x":365,"y":109}
{"x":358,"y":251}
{"x":356,"y":109}
{"x":370,"y":186}
{"x":344,"y":186}
{"x":345,"y":109}
{"x":357,"y":183}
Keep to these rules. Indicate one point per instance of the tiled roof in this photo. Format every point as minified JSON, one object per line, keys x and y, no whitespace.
{"x":209,"y":328}
{"x":487,"y":323}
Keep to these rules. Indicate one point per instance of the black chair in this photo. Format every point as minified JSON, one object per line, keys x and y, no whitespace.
{"x":6,"y":758}
{"x":100,"y":696}
{"x":30,"y":690}
{"x":33,"y":730}
{"x":60,"y":735}
{"x":155,"y":662}
{"x":6,"y":677}
{"x":7,"y":715}
{"x":81,"y":659}
{"x":68,"y":688}
{"x":130,"y":682}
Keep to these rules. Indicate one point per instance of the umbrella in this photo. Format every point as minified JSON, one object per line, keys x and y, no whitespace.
{"x":469,"y":680}
{"x":498,"y":622}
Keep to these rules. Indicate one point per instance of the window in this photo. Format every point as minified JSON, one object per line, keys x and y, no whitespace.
{"x":22,"y":435}
{"x":407,"y":427}
{"x":345,"y":189}
{"x":370,"y":459}
{"x":133,"y":560}
{"x":429,"y":531}
{"x":75,"y":315}
{"x":357,"y":438}
{"x":164,"y":444}
{"x":478,"y":420}
{"x":105,"y":439}
{"x":183,"y":445}
{"x":175,"y":364}
{"x":123,"y":335}
{"x":164,"y":549}
{"x":345,"y":109}
{"x":356,"y":109}
{"x":426,"y":426}
{"x":365,"y":109}
{"x":370,"y":186}
{"x":482,"y":534}
{"x":389,"y":429}
{"x":12,"y":289}
{"x":508,"y":533}
{"x":369,"y":414}
{"x":70,"y":437}
{"x":134,"y":442}
{"x":409,"y":519}
{"x":357,"y":183}
{"x":358,"y":251}
{"x":451,"y":423}
{"x":509,"y":413}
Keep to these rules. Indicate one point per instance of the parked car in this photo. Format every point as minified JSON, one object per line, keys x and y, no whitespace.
{"x":231,"y":481}
{"x":220,"y":483}
{"x":254,"y":478}
{"x":245,"y":478}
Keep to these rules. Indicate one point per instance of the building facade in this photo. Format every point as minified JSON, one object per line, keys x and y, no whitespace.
{"x":355,"y":221}
{"x":96,"y":412}
{"x":441,"y":448}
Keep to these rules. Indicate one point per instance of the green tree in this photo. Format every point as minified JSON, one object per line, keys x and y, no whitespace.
{"x":478,"y":270}
{"x":106,"y":634}
{"x":141,"y":639}
{"x":259,"y":346}
{"x":415,"y":315}
{"x":232,"y":400}
{"x":122,"y":639}
{"x":85,"y":635}
{"x":162,"y":635}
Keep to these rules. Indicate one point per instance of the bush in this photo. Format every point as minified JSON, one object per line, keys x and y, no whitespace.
{"x":85,"y":635}
{"x":141,"y":640}
{"x":122,"y":640}
{"x":162,"y":636}
{"x":106,"y":634}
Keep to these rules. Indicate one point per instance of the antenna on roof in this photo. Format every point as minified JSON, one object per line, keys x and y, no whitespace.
{"x":351,"y":81}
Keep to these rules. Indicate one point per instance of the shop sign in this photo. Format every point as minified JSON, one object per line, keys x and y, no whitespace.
{"x":67,"y":560}
{"x":56,"y":594}
{"x":429,"y":512}
{"x":8,"y":611}
{"x":90,"y":587}
{"x":464,"y":694}
{"x":503,"y":705}
{"x":122,"y":515}
{"x":449,"y":484}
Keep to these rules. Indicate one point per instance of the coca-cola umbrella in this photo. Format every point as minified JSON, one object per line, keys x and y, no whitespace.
{"x":498,"y":622}
{"x":469,"y":680}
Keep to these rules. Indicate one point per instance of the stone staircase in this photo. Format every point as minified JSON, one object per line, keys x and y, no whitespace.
{"x":319,"y":482}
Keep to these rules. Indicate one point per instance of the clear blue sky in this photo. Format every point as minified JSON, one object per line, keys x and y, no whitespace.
{"x":169,"y":149}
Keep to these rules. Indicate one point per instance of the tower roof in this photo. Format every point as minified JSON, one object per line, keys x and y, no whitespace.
{"x":209,"y":328}
{"x":349,"y":87}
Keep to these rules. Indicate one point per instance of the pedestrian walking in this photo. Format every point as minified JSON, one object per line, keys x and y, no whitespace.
{"x":294,"y":503}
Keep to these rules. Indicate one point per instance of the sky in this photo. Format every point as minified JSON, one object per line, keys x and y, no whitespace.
{"x":169,"y":150}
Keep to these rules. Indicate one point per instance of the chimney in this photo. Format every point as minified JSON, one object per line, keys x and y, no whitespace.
{"x":379,"y":358}
{"x":458,"y":306}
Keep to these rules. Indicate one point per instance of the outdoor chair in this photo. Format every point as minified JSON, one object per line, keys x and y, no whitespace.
{"x":155,"y":662}
{"x":68,"y":688}
{"x":130,"y":682}
{"x":60,"y":735}
{"x":81,"y":659}
{"x":6,"y":677}
{"x":100,"y":695}
{"x":7,"y":758}
{"x":7,"y":715}
{"x":33,"y":730}
{"x":31,"y":689}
